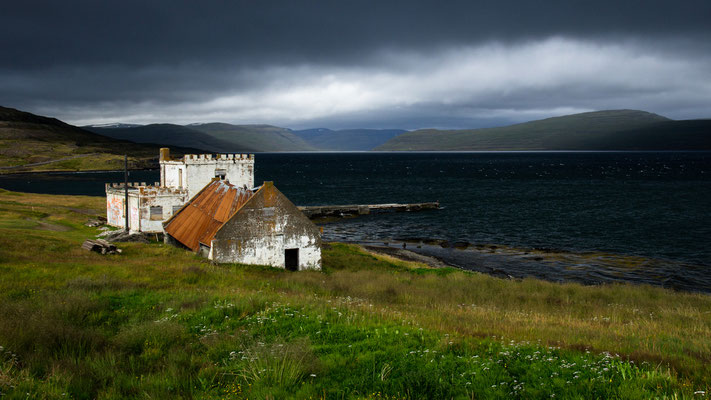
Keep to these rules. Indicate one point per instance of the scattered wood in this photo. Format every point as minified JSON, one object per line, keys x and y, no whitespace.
{"x":100,"y":246}
{"x":123,"y":236}
{"x":95,"y":222}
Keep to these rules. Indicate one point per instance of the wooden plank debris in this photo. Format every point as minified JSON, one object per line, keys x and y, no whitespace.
{"x":100,"y":246}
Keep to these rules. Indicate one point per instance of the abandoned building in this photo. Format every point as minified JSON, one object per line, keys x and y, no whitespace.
{"x":180,"y":179}
{"x":232,"y":224}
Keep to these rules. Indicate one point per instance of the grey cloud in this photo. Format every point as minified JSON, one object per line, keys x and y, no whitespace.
{"x":344,"y":64}
{"x":38,"y":34}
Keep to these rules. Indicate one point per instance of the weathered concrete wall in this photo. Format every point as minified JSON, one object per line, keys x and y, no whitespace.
{"x":115,"y":198}
{"x":263,"y":229}
{"x":169,"y":199}
{"x":140,"y":201}
{"x":172,"y":174}
{"x":134,"y":222}
{"x":115,"y":208}
{"x":195,"y":171}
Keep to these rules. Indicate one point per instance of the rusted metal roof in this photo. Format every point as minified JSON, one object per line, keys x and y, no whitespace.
{"x":199,"y":220}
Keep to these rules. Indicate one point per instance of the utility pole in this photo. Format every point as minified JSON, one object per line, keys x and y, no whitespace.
{"x":125,"y":187}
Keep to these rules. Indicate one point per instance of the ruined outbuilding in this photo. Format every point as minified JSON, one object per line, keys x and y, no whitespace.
{"x":180,"y":179}
{"x":232,"y":224}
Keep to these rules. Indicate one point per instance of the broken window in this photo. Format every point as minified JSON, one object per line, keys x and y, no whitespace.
{"x":156,"y":213}
{"x":220,"y":173}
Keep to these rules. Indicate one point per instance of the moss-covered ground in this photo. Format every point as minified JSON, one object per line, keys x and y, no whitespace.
{"x":160,"y":322}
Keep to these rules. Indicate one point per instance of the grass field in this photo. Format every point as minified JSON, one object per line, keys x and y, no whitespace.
{"x":160,"y":322}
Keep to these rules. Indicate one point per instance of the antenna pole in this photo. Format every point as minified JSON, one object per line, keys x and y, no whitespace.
{"x":125,"y":187}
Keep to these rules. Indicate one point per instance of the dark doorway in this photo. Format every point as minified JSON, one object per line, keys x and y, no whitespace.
{"x":291,"y":259}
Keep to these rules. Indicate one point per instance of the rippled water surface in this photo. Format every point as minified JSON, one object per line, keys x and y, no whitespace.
{"x":653,"y":205}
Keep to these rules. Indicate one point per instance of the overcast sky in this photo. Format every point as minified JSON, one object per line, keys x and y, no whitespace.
{"x":340,"y":64}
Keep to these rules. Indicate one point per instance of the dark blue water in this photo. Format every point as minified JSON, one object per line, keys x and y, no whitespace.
{"x":650,"y":204}
{"x":654,"y":205}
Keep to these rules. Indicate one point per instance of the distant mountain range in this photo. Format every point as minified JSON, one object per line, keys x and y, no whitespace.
{"x":168,"y":135}
{"x":29,"y":142}
{"x":244,"y":138}
{"x":348,"y":139}
{"x":600,"y":130}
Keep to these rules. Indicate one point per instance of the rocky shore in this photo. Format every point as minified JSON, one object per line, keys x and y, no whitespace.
{"x":589,"y":268}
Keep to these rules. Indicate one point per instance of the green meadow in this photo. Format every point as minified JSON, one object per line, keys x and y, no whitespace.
{"x":159,"y":322}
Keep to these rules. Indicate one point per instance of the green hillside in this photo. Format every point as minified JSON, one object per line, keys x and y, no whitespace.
{"x":257,"y":137}
{"x":600,"y":130}
{"x":171,"y":135}
{"x":30,"y":142}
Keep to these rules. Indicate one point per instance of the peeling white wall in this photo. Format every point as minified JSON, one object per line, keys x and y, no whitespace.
{"x":165,"y":198}
{"x":115,"y":209}
{"x":172,"y":174}
{"x":194,"y":172}
{"x":265,"y":227}
{"x":140,"y":201}
{"x":267,"y":250}
{"x":115,"y":198}
{"x":134,"y":221}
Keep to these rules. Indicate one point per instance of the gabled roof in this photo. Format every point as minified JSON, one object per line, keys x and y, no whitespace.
{"x":202,"y":216}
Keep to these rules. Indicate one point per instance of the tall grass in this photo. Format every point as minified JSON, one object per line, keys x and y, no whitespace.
{"x":159,"y":322}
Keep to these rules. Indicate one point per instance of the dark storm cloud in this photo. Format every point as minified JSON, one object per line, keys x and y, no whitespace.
{"x":341,"y":62}
{"x":41,"y":34}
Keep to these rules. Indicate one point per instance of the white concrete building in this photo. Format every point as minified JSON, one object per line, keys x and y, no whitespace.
{"x":180,"y":179}
{"x":194,"y":171}
{"x":148,"y":205}
{"x":231,"y":224}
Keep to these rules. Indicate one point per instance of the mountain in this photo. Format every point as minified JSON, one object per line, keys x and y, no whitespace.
{"x":256,"y":137}
{"x":213,"y":137}
{"x":347,"y":139}
{"x":31,"y":142}
{"x":171,"y":135}
{"x":599,"y":130}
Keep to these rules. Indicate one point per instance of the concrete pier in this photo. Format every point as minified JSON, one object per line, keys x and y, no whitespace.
{"x":314,"y":212}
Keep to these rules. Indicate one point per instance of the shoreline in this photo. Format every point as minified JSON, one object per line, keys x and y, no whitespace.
{"x":89,"y":171}
{"x":551,"y":265}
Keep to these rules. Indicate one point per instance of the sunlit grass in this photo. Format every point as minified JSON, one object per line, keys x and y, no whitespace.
{"x":160,"y":322}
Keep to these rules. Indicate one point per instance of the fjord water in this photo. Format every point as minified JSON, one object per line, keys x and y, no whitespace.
{"x":653,"y":205}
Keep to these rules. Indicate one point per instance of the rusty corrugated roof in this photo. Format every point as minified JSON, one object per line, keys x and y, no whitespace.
{"x":198,"y":221}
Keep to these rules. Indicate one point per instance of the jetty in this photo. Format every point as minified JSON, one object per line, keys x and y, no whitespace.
{"x":315,"y":212}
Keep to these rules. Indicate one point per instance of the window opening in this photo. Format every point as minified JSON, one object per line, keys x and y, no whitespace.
{"x":291,"y":259}
{"x":156,"y":213}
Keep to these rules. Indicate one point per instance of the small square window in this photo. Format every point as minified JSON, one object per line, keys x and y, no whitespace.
{"x":156,"y":213}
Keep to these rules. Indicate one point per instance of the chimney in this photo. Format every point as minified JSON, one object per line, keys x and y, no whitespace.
{"x":164,"y":154}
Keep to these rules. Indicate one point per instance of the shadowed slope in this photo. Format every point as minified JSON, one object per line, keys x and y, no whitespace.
{"x":587,"y":131}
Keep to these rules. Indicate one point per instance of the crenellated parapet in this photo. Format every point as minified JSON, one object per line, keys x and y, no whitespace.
{"x":194,"y":171}
{"x":143,"y":189}
{"x":217,"y":158}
